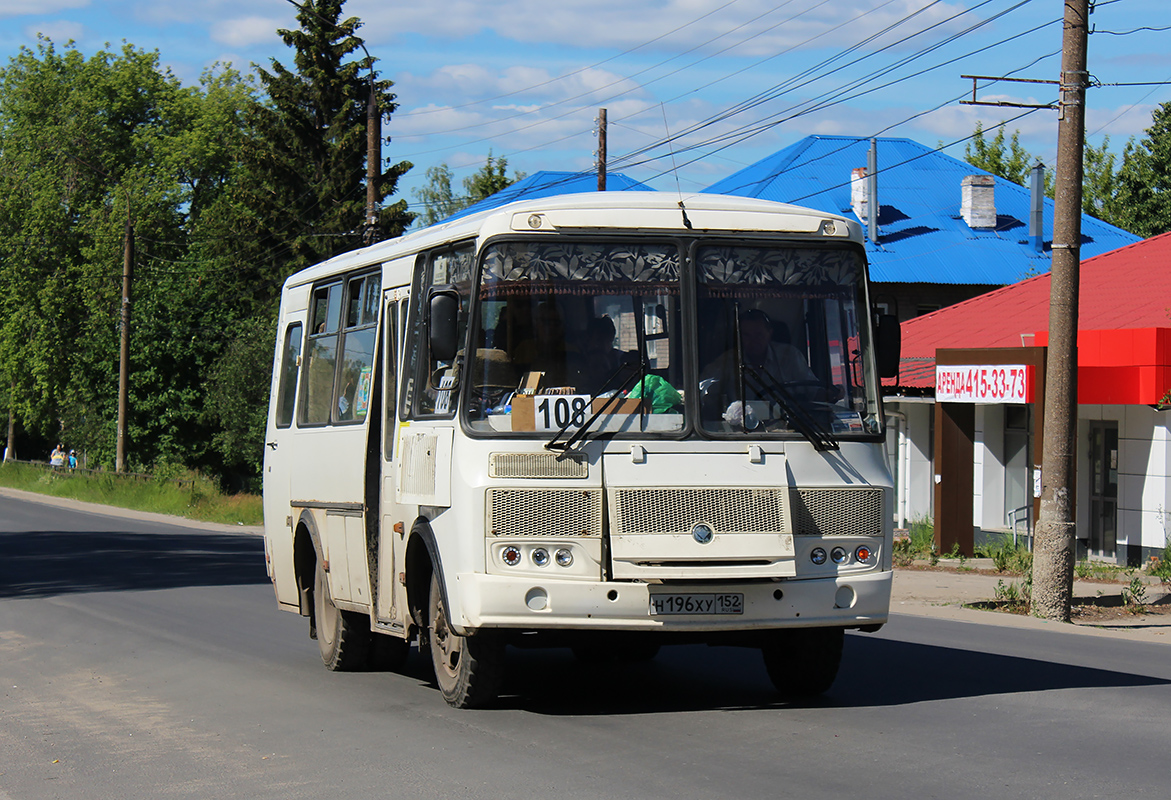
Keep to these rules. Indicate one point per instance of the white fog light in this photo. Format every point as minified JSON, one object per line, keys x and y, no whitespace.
{"x":511,"y":555}
{"x":838,"y":554}
{"x":817,"y":556}
{"x":563,"y":557}
{"x":541,"y":557}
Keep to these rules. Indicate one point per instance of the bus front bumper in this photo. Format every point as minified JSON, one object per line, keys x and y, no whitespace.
{"x":493,"y":601}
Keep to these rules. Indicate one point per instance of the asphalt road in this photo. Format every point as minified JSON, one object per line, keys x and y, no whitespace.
{"x":140,"y":659}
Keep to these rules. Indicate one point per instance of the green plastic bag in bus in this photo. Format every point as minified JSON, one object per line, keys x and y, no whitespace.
{"x":664,"y":398}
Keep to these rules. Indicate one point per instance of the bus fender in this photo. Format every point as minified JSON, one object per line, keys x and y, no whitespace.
{"x":306,"y":553}
{"x":422,"y":559}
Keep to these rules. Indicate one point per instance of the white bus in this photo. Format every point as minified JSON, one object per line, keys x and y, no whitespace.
{"x":605,"y":421}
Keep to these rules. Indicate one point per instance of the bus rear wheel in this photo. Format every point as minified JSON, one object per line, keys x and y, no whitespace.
{"x":803,"y":662}
{"x":342,"y":636}
{"x":468,"y":669}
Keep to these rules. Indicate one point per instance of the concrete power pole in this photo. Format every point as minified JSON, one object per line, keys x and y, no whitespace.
{"x":1054,"y":548}
{"x":373,"y":161}
{"x":601,"y":149}
{"x":124,"y":351}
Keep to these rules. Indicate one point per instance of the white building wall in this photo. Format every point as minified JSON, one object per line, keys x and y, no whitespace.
{"x":1144,"y":474}
{"x":1144,"y":464}
{"x":918,"y":493}
{"x":991,"y":477}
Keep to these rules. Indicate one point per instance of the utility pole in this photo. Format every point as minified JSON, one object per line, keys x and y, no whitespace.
{"x":124,"y":355}
{"x":373,"y":160}
{"x":601,"y":149}
{"x":1054,"y":546}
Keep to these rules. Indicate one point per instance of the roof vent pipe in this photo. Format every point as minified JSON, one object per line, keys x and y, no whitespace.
{"x":978,"y":201}
{"x":872,"y":190}
{"x":1037,"y":210}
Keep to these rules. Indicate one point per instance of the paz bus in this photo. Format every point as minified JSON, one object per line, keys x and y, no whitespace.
{"x":604,"y":421}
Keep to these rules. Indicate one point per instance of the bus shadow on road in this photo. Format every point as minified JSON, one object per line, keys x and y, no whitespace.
{"x":45,"y":563}
{"x":875,"y":673}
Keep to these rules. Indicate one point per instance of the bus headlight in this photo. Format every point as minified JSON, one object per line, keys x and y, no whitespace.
{"x":838,"y":554}
{"x":563,"y":557}
{"x":540,"y":557}
{"x":817,"y":556}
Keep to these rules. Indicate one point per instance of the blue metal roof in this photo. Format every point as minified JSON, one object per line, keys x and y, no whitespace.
{"x":921,"y":236}
{"x":548,"y":183}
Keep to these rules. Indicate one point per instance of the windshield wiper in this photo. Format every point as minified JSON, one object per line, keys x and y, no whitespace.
{"x":614,"y":398}
{"x":798,"y":416}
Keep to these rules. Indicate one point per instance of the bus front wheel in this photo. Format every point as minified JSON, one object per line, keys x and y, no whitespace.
{"x":803,"y":662}
{"x":342,"y":636}
{"x":468,"y":669}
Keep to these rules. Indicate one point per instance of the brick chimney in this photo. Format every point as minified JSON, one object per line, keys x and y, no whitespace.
{"x":978,"y":201}
{"x":859,"y":193}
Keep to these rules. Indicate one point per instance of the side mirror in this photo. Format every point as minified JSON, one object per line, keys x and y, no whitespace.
{"x":888,"y":344}
{"x":442,"y":324}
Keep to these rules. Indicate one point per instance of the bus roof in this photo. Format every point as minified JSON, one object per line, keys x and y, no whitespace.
{"x":645,"y":212}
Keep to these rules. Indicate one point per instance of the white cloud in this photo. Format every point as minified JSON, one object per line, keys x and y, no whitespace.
{"x":58,"y":32}
{"x":43,"y":8}
{"x":245,"y":31}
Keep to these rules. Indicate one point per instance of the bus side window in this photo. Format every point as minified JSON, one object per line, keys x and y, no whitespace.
{"x":287,"y":394}
{"x":356,"y":374}
{"x":320,"y":361}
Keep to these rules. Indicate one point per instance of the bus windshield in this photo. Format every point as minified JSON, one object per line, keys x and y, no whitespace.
{"x":566,"y":327}
{"x":574,"y":333}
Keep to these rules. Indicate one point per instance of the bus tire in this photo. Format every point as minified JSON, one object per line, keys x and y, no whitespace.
{"x":469,"y":670}
{"x":343,"y":637}
{"x":803,"y":662}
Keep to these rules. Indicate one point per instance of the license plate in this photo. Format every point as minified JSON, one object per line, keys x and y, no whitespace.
{"x":683,"y":604}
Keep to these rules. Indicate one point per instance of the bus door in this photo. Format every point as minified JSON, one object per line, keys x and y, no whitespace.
{"x":278,"y":457}
{"x":388,"y":541}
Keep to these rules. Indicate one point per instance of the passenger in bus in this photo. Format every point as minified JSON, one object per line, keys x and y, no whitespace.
{"x":779,"y":361}
{"x":599,"y":358}
{"x":547,"y":351}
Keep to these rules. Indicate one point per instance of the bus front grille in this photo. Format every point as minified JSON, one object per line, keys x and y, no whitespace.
{"x":837,"y":512}
{"x":677,"y":511}
{"x":544,"y":512}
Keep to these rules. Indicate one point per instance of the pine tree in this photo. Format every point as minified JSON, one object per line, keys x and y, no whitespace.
{"x":307,"y":159}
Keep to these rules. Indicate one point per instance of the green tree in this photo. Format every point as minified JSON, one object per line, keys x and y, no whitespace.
{"x":1003,"y":159}
{"x":90,"y":143}
{"x":1143,"y":182}
{"x":437,"y":196}
{"x":1098,"y":182}
{"x":306,"y":159}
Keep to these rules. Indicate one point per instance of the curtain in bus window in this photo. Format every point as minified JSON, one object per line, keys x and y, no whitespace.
{"x":356,"y":379}
{"x":288,"y":381}
{"x":320,"y":368}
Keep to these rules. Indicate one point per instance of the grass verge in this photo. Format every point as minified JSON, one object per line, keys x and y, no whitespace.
{"x":192,"y":497}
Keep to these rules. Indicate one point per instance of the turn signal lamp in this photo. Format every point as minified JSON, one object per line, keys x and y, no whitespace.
{"x":511,"y":555}
{"x":863,"y":553}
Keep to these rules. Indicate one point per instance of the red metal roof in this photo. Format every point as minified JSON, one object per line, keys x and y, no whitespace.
{"x":1126,"y":288}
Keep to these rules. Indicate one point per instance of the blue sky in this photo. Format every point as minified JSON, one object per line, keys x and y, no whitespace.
{"x":739,"y":79}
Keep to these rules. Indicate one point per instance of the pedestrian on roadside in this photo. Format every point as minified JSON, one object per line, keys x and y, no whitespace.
{"x":72,"y":460}
{"x":57,"y":457}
